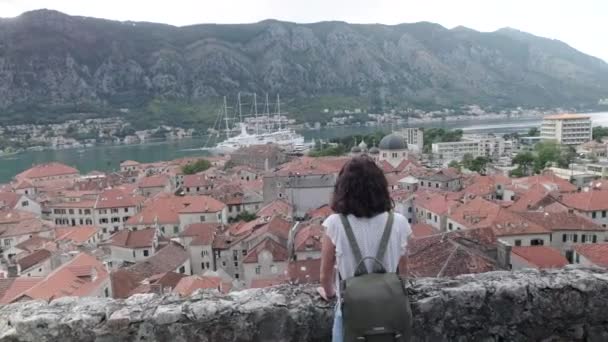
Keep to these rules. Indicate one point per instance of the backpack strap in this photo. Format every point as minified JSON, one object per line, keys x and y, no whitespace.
{"x":354,"y":246}
{"x":385,"y":236}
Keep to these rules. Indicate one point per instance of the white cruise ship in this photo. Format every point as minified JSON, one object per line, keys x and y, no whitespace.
{"x":284,"y":137}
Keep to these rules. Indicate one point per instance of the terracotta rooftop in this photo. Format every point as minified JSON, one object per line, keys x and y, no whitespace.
{"x":34,"y":243}
{"x":268,"y":282}
{"x":558,"y":221}
{"x":47,"y":170}
{"x":16,"y":286}
{"x":452,"y":254}
{"x":548,"y":179}
{"x":304,"y":271}
{"x":313,"y":166}
{"x":167,"y":259}
{"x":134,"y":239}
{"x":536,"y":197}
{"x":85,"y":204}
{"x":82,"y":276}
{"x":158,"y":283}
{"x":166,"y":209}
{"x":33,"y":259}
{"x":592,"y":200}
{"x":322,"y":212}
{"x":566,"y":116}
{"x":420,"y":230}
{"x":278,"y":251}
{"x":156,"y":181}
{"x":188,"y":285}
{"x":9,"y":199}
{"x":308,"y":238}
{"x":596,"y":253}
{"x":24,"y":184}
{"x":117,"y":198}
{"x":25,"y":227}
{"x":541,"y":256}
{"x":203,"y":233}
{"x":76,"y":235}
{"x":276,"y":226}
{"x":276,"y":207}
{"x":129,"y":163}
{"x":437,"y":202}
{"x":200,"y":180}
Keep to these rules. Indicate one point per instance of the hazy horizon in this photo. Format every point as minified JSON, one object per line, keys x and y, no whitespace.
{"x":580,"y":24}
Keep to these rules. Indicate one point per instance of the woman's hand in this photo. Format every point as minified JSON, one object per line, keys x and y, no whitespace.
{"x":327,"y":297}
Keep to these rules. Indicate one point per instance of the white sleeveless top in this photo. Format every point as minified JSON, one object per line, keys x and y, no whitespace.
{"x":368,"y":233}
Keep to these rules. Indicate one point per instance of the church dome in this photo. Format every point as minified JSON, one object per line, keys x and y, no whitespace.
{"x":363,"y":145}
{"x":393,"y":141}
{"x":374,"y":150}
{"x":355,"y":149}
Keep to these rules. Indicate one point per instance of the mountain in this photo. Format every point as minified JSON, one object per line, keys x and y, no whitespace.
{"x":52,"y":62}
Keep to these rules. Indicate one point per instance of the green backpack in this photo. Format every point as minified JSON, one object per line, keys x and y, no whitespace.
{"x":375,"y":306}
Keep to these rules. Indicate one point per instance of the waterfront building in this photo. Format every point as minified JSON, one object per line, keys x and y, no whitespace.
{"x":567,"y":129}
{"x":414,"y":137}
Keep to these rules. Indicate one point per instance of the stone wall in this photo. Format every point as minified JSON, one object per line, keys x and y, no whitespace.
{"x":562,"y":305}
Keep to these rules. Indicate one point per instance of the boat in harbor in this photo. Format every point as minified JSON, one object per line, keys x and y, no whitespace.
{"x":264,"y":131}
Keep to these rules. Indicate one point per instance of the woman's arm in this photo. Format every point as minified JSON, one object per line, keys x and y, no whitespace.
{"x":328,"y":264}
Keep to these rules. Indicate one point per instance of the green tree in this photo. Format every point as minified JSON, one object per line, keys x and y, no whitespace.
{"x":244,"y":216}
{"x":546,"y":153}
{"x":524,"y":161}
{"x":533,"y":132}
{"x":599,"y":133}
{"x":196,"y":167}
{"x":455,"y":164}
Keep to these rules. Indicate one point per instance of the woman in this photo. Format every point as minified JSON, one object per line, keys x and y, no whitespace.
{"x":361,"y":194}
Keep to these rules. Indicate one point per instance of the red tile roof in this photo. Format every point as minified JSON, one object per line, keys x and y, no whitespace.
{"x":203,"y":233}
{"x":592,"y":200}
{"x":24,"y":184}
{"x":308,"y":238}
{"x":452,"y":254}
{"x":276,"y":226}
{"x":167,"y":259}
{"x":9,"y":199}
{"x":313,"y":166}
{"x":134,"y":239}
{"x":157,"y":181}
{"x":76,"y":235}
{"x":73,"y":205}
{"x":25,"y":227}
{"x":596,"y":253}
{"x":436,"y":202}
{"x":322,"y":212}
{"x":547,"y":179}
{"x":34,"y":243}
{"x":278,"y":251}
{"x":193,"y":181}
{"x":304,"y":271}
{"x":188,"y":285}
{"x":18,"y":286}
{"x":420,"y":230}
{"x":158,"y":283}
{"x":166,"y":209}
{"x":33,"y":259}
{"x":117,"y":198}
{"x":541,"y":256}
{"x":276,"y":207}
{"x":563,"y":220}
{"x":47,"y":170}
{"x":79,"y":277}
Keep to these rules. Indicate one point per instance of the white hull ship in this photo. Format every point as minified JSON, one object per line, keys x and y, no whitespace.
{"x":269,"y":134}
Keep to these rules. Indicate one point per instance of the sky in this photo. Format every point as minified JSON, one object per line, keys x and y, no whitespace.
{"x":581,"y":23}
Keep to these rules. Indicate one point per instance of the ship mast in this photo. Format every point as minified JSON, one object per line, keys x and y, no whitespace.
{"x":279,"y":110}
{"x":240,"y":109}
{"x":255,"y":112}
{"x":267,"y":110}
{"x":226,"y":118}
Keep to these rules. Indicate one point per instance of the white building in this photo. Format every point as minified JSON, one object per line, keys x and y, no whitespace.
{"x":567,"y":129}
{"x":477,"y":146}
{"x":414,"y":137}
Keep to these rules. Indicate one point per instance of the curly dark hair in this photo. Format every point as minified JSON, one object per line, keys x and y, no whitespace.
{"x":361,"y":189}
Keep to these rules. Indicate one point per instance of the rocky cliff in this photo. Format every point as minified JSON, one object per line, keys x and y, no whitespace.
{"x":52,"y":60}
{"x":561,"y":305}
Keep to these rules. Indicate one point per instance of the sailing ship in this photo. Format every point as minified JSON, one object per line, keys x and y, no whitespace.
{"x":265,"y":130}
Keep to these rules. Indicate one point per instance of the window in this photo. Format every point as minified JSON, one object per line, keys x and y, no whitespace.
{"x":7,"y":242}
{"x":236,"y":264}
{"x":593,"y":214}
{"x":223,"y":263}
{"x":409,"y":220}
{"x":244,"y":252}
{"x":114,"y":210}
{"x":103,"y":220}
{"x":236,"y":276}
{"x":134,"y":254}
{"x":126,"y":210}
{"x":202,"y":265}
{"x":409,"y":209}
{"x":202,"y":218}
{"x":564,"y":238}
{"x":258,"y":269}
{"x":429,"y":184}
{"x":146,"y":252}
{"x":229,"y":208}
{"x":182,"y":269}
{"x":27,"y":203}
{"x":583,"y":238}
{"x":106,"y":292}
{"x":175,"y":229}
{"x":115,"y":219}
{"x":435,"y":218}
{"x":105,"y":230}
{"x":428,"y":216}
{"x":71,"y":211}
{"x":578,"y":258}
{"x":204,"y":253}
{"x":537,"y":242}
{"x":87,"y":211}
{"x":207,"y":263}
{"x":517,"y":242}
{"x":162,"y":229}
{"x":575,"y":239}
{"x":437,"y":185}
{"x":594,"y":239}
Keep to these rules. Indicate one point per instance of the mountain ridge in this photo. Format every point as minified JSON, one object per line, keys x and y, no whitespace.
{"x":50,"y":60}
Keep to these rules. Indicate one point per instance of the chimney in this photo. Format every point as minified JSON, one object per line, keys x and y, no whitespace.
{"x":503,"y":255}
